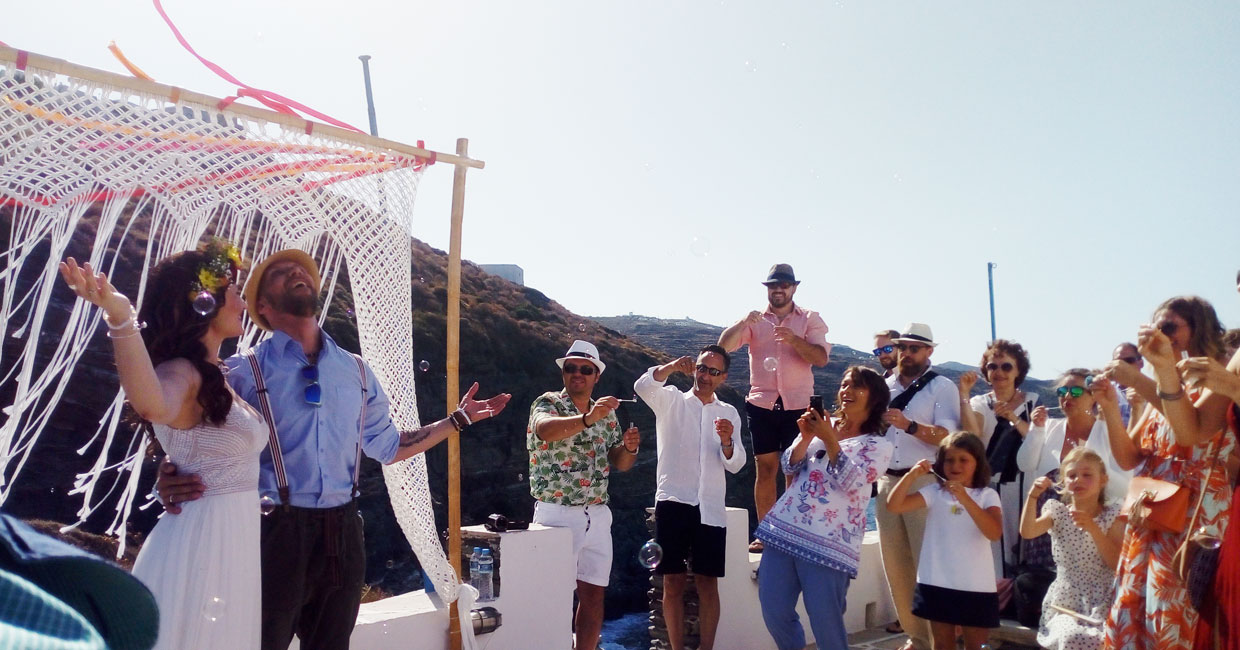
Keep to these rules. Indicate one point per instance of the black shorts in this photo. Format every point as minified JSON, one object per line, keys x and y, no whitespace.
{"x":967,"y":608}
{"x":772,"y":431}
{"x":678,"y":528}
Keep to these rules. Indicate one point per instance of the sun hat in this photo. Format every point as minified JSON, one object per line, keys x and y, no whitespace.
{"x":917,"y":333}
{"x":582,"y":350}
{"x":781,"y":273}
{"x":256,"y":279}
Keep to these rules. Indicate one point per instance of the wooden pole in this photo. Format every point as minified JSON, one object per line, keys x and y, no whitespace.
{"x":454,"y":386}
{"x":60,"y":66}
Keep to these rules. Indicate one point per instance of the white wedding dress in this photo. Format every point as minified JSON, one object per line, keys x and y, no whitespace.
{"x":203,"y":564}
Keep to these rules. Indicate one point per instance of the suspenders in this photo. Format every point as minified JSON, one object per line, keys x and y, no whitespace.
{"x":273,"y":441}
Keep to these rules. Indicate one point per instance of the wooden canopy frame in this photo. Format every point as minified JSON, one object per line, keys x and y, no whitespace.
{"x":461,"y":163}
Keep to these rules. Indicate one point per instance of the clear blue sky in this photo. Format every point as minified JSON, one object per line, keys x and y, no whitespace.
{"x":658,"y":157}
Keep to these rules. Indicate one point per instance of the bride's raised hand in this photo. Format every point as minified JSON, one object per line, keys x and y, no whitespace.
{"x":94,"y":288}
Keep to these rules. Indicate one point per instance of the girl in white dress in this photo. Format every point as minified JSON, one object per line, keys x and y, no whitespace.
{"x":1086,"y":536}
{"x":203,"y":564}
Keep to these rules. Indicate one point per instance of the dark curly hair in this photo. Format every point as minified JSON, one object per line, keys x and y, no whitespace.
{"x":880,"y":397}
{"x":1011,"y":349}
{"x":174,"y":327}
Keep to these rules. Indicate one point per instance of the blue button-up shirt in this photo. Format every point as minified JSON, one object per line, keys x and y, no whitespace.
{"x":319,"y":444}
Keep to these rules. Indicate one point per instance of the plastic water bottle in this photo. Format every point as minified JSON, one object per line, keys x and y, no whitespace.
{"x":473,"y":567}
{"x":486,"y":574}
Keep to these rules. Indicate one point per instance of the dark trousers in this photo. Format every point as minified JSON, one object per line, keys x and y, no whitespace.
{"x":314,"y":565}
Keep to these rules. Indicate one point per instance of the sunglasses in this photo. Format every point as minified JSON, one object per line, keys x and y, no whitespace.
{"x":1070,"y":391}
{"x":1130,"y":360}
{"x":779,"y":285}
{"x":1168,"y":327}
{"x":584,"y":370}
{"x":886,"y":349}
{"x":910,"y":347}
{"x":713,"y":372}
{"x":314,"y":392}
{"x":1006,"y":366}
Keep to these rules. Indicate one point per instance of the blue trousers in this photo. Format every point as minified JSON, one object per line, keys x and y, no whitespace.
{"x":782,"y":578}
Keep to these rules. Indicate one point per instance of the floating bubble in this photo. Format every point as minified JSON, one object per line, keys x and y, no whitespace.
{"x":204,"y":302}
{"x":700,"y":246}
{"x":213,"y":609}
{"x":520,"y":477}
{"x":266,"y":504}
{"x":424,"y":365}
{"x":750,"y":66}
{"x":650,"y":555}
{"x":390,"y":563}
{"x":349,"y":312}
{"x":1205,"y":540}
{"x":581,"y":327}
{"x":421,"y":279}
{"x":771,"y":364}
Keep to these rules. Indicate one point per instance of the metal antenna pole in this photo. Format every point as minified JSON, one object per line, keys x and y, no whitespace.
{"x":990,"y":274}
{"x":370,"y":99}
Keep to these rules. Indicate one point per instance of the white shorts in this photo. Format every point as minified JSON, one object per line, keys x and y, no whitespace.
{"x":591,"y":526}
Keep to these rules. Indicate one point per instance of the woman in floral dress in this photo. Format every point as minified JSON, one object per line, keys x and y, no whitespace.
{"x":1152,"y":608}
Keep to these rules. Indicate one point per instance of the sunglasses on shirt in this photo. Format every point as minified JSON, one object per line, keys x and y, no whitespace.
{"x":886,"y":349}
{"x":1006,"y":366}
{"x":713,"y":372}
{"x":314,"y":392}
{"x":1070,"y":391}
{"x":584,"y":370}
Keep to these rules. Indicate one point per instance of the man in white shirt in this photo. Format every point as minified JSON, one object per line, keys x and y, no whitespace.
{"x":917,"y":424}
{"x":695,"y":433}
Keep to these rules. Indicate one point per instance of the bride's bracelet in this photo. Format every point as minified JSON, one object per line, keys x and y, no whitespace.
{"x":131,"y":326}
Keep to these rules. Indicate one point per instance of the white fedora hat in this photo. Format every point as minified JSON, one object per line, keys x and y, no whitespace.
{"x":917,"y":333}
{"x":582,"y":350}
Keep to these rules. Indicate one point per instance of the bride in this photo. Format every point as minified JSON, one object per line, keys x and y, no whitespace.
{"x":203,"y":565}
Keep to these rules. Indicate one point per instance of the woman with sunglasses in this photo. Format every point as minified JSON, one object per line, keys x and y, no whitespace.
{"x":1152,"y":606}
{"x":1002,"y":418}
{"x":203,"y":565}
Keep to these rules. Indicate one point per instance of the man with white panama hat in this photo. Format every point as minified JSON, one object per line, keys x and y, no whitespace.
{"x":921,"y":419}
{"x":325,"y":408}
{"x":574,"y":441}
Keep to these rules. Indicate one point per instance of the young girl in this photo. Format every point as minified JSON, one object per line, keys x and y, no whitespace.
{"x":1086,"y":536}
{"x":954,"y":587}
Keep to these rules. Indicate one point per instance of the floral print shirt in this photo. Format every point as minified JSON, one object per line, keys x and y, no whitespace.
{"x":572,"y":471}
{"x":821,"y":516}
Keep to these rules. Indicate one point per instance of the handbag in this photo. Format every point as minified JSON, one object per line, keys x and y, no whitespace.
{"x":1159,"y":505}
{"x":1196,"y":560}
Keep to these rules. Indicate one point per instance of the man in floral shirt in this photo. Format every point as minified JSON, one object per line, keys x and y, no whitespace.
{"x":573,"y":442}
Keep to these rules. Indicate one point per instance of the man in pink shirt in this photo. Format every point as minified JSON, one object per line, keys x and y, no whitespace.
{"x":785,"y":342}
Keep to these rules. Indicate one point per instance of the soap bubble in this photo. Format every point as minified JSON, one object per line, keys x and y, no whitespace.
{"x":771,"y":364}
{"x":213,"y":609}
{"x":266,"y":504}
{"x":389,"y":564}
{"x":349,"y":312}
{"x":424,"y":365}
{"x":204,"y":302}
{"x":650,"y":555}
{"x":700,"y":246}
{"x":421,"y":279}
{"x":581,"y":327}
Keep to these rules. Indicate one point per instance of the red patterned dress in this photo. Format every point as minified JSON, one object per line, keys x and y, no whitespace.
{"x":1227,"y":580}
{"x":1152,"y":610}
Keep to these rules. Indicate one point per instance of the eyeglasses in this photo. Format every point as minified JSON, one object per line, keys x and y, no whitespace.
{"x":779,"y":285}
{"x":910,"y":347}
{"x":584,"y":370}
{"x":314,"y":392}
{"x":1168,"y":327}
{"x":1006,"y":366}
{"x":1130,"y":360}
{"x":886,"y":349}
{"x":1070,"y":391}
{"x":713,"y":372}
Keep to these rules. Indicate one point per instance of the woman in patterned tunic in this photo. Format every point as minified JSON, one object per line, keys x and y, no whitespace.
{"x":1152,"y":609}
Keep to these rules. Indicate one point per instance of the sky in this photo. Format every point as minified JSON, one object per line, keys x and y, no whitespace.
{"x":657,"y":158}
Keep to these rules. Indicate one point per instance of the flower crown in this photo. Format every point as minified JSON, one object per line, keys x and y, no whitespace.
{"x":220,"y":269}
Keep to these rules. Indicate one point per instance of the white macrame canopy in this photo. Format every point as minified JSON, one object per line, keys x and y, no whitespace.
{"x":84,"y":153}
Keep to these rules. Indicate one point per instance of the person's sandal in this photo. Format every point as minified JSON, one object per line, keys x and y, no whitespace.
{"x":755,"y":546}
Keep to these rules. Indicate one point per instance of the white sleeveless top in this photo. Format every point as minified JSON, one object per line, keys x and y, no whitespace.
{"x":224,"y":456}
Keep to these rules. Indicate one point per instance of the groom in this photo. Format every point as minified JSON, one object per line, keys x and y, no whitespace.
{"x":313,"y":554}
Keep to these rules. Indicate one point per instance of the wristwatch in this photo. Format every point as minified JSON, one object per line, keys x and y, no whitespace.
{"x":912,"y":428}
